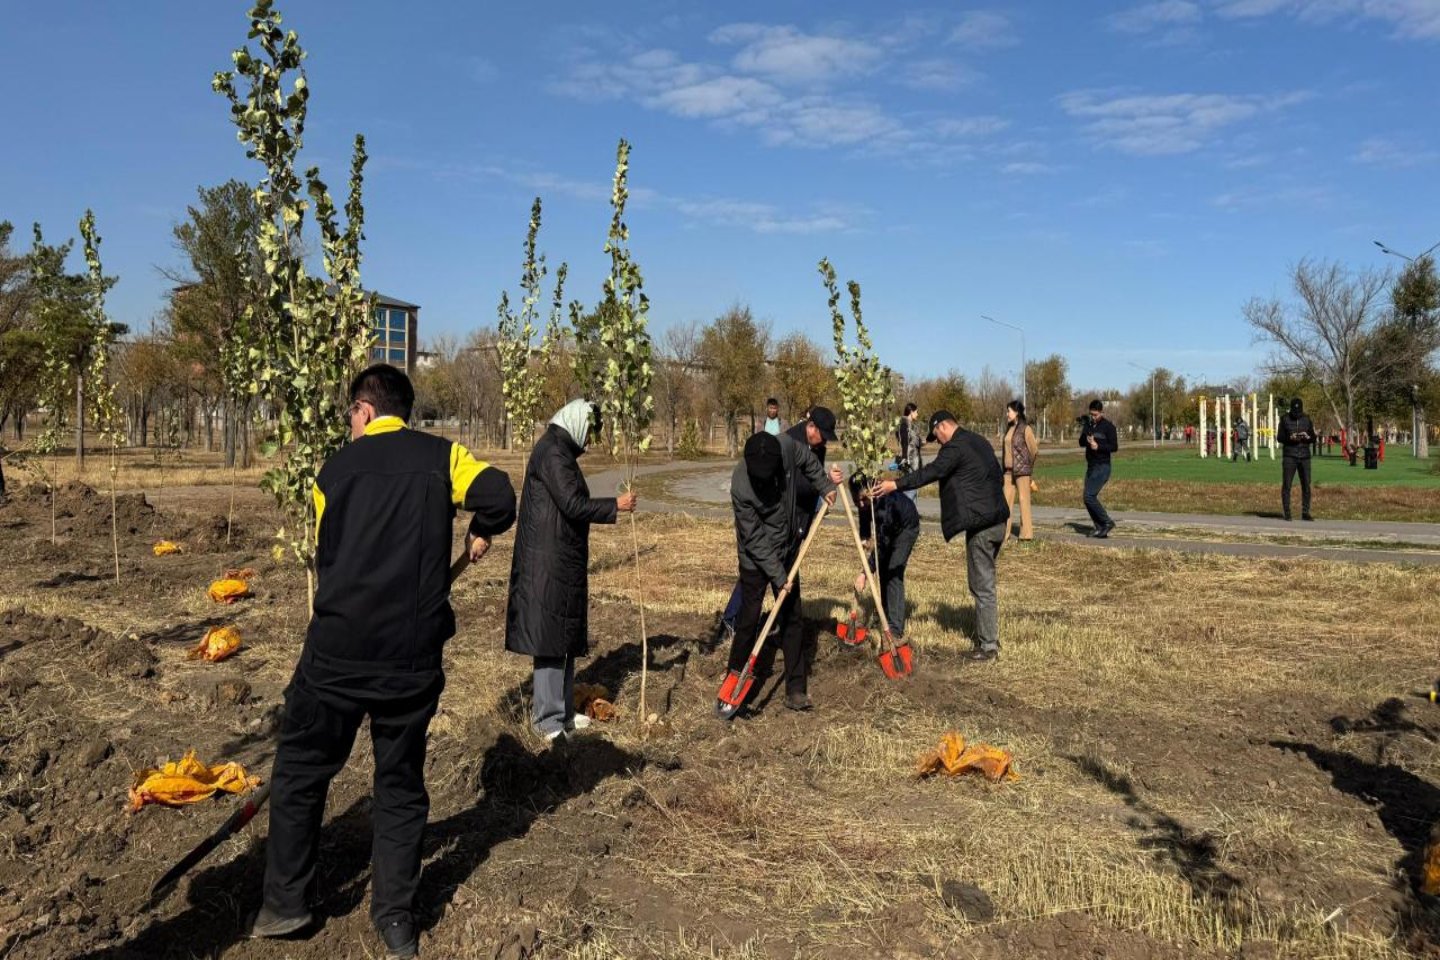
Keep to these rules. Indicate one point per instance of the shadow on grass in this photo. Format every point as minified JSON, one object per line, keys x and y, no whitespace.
{"x":1191,"y":854}
{"x":515,"y":788}
{"x":1407,"y":806}
{"x":221,"y":899}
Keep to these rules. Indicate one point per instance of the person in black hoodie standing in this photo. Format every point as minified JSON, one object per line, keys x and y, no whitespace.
{"x":384,"y":507}
{"x":972,"y":501}
{"x":1295,"y":434}
{"x":1099,"y":439}
{"x":547,"y":618}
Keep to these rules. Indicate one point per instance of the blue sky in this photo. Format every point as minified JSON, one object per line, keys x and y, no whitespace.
{"x":1116,"y":178}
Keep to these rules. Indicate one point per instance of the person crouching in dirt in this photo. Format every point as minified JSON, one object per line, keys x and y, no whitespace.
{"x":972,"y":501}
{"x":384,"y":507}
{"x":813,"y":431}
{"x":547,"y":617}
{"x":896,"y":527}
{"x":763,"y":498}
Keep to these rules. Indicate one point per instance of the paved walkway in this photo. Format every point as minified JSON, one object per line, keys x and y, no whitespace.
{"x":702,"y":488}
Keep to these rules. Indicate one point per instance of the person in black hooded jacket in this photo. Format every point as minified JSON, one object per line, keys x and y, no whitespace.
{"x":547,"y":618}
{"x":1294,"y":435}
{"x":384,"y":510}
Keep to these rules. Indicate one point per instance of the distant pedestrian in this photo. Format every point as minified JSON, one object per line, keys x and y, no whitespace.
{"x":1242,"y":441}
{"x":1019,"y":451}
{"x":773,"y":423}
{"x":911,"y":442}
{"x":1295,"y":435}
{"x":1099,"y":440}
{"x":972,"y":502}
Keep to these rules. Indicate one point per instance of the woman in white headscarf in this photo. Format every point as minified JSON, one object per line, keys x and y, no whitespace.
{"x":549,"y":575}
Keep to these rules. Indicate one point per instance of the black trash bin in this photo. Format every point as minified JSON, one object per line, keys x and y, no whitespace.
{"x":1372,"y":457}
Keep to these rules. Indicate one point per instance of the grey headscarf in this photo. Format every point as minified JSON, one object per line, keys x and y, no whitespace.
{"x":574,"y":419}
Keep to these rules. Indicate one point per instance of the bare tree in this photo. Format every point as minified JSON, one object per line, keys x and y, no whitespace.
{"x":1322,"y":335}
{"x":675,"y":377}
{"x":992,"y":393}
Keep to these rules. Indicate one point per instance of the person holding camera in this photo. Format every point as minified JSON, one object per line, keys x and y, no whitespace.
{"x":1097,"y":436}
{"x":1294,"y":435}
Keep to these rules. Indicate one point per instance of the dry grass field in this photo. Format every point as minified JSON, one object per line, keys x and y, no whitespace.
{"x":1218,"y":758}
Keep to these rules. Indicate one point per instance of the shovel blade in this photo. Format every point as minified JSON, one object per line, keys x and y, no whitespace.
{"x":907,"y":658}
{"x":842,"y":630}
{"x":889,"y":666}
{"x":733,"y":691}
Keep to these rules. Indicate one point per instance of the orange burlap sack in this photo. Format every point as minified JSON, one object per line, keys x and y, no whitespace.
{"x":229,"y":590}
{"x":954,"y":757}
{"x":593,"y":700}
{"x":217,"y":644}
{"x":166,"y":547}
{"x":187,"y":781}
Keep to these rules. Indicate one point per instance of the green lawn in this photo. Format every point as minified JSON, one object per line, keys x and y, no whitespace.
{"x":1142,"y":462}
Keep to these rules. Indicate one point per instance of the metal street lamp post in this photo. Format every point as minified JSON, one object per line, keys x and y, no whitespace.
{"x":1416,"y":445}
{"x":1024,"y":397}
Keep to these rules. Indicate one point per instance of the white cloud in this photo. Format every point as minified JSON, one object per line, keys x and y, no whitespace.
{"x":717,"y":97}
{"x":984,"y":30}
{"x":1022,"y":168}
{"x":1384,"y":152}
{"x":967,"y":127}
{"x":761,"y":218}
{"x":1251,"y":198}
{"x":1152,"y":125}
{"x":787,"y":55}
{"x":1153,"y":16}
{"x":937,"y":74}
{"x":1411,"y":19}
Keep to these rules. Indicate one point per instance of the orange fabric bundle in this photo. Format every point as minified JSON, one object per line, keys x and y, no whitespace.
{"x":242,"y":573}
{"x":229,"y":590}
{"x":217,"y":644}
{"x":187,"y":781}
{"x":166,"y":547}
{"x":954,"y":757}
{"x":593,"y":700}
{"x":1430,"y":874}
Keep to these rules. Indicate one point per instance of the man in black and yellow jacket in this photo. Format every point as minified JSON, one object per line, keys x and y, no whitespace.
{"x":384,"y":508}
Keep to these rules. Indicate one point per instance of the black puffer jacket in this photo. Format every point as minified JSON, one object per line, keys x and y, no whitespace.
{"x":1294,"y":435}
{"x":549,"y":574}
{"x":972,"y":486}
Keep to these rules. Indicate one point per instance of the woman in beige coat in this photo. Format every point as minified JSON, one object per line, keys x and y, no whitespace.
{"x":1020,"y":451}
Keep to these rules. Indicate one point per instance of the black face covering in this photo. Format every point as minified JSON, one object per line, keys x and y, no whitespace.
{"x":768,"y":489}
{"x":1297,"y":407}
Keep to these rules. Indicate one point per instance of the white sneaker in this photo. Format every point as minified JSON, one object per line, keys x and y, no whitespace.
{"x":581,"y":721}
{"x":553,"y":735}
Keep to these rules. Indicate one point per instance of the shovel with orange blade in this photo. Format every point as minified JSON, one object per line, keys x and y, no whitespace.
{"x":853,"y":631}
{"x":897,"y":660}
{"x":736,"y":687}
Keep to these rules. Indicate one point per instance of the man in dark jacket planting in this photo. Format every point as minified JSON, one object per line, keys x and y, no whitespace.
{"x":896,"y":527}
{"x":548,"y":615}
{"x":384,"y":506}
{"x":814,"y":431}
{"x":762,"y":495}
{"x":972,"y":502}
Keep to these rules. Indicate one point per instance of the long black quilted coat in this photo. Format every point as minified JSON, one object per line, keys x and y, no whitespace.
{"x":549,"y":589}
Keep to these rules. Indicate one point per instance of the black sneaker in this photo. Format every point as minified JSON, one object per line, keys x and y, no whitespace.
{"x":798,"y":701}
{"x":982,"y":655}
{"x":1306,"y":516}
{"x":269,"y":924}
{"x":401,"y":941}
{"x":1102,"y":533}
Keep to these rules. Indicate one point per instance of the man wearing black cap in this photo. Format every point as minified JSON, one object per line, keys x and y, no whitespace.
{"x":1294,"y":435}
{"x":972,"y":501}
{"x":762,"y":495}
{"x":812,"y":432}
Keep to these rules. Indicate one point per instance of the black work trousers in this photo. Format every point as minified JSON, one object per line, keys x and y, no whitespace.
{"x":316,"y":735}
{"x":1290,"y":466}
{"x":799,"y":649}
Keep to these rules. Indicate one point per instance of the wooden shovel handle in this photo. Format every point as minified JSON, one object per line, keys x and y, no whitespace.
{"x":789,"y":579}
{"x":860,"y":547}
